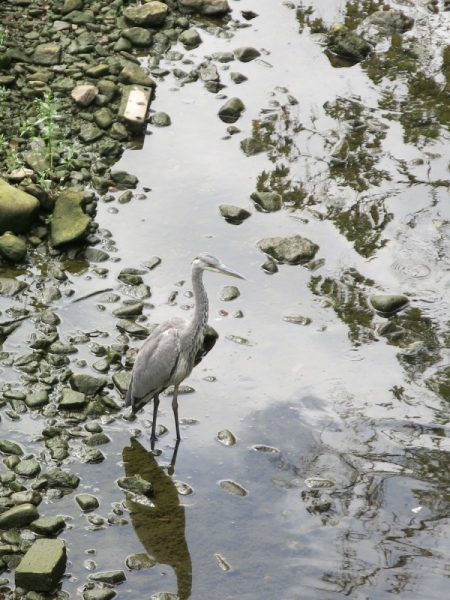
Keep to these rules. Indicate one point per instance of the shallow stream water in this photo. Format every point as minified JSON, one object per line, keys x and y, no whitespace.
{"x":353,"y":500}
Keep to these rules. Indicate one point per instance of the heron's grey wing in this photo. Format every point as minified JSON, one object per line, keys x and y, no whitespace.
{"x":156,"y":361}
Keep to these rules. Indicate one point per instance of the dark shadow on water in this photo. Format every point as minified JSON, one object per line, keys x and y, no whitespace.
{"x":160,"y":528}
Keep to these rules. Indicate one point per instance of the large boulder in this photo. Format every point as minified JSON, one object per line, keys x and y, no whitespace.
{"x":69,"y":223}
{"x":17,"y":209}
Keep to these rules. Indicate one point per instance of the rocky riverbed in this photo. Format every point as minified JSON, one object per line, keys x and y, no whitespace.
{"x":308,"y":147}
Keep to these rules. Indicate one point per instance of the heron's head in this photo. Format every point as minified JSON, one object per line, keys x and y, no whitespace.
{"x":209,"y":262}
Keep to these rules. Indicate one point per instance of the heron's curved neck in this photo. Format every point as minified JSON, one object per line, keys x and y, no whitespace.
{"x":200,"y":318}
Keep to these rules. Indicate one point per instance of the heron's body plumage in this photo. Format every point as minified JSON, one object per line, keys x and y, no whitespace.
{"x":169,"y":353}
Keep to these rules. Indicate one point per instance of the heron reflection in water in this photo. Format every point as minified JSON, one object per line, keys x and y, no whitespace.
{"x":172,"y":350}
{"x":160,"y":528}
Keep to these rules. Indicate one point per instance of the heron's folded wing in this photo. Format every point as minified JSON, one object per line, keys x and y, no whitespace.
{"x":155,"y":363}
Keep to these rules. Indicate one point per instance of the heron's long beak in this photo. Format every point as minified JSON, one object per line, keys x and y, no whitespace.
{"x":227,"y":271}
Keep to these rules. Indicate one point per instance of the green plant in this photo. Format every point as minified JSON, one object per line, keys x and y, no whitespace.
{"x":69,"y":151}
{"x":47,"y":120}
{"x":13,"y":160}
{"x":3,"y":35}
{"x":27,"y":130}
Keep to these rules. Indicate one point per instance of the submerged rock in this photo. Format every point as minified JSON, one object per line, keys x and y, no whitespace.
{"x":137,"y":562}
{"x":347,"y":43}
{"x":87,"y":384}
{"x":388,"y":22}
{"x":226,"y":437}
{"x":292,"y":250}
{"x":109,"y":577}
{"x":136,"y":484}
{"x":9,"y":287}
{"x":57,"y":478}
{"x":233,"y":488}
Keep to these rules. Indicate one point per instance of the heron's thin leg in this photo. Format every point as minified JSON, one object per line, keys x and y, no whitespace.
{"x":174,"y":458}
{"x":155,"y":414}
{"x":175,"y":411}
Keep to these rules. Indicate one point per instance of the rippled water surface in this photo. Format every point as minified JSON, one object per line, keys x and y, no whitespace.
{"x":351,"y":496}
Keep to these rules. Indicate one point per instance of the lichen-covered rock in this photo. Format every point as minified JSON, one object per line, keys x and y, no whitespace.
{"x":69,"y":223}
{"x":292,"y":250}
{"x":18,"y":209}
{"x":57,"y":478}
{"x":48,"y":525}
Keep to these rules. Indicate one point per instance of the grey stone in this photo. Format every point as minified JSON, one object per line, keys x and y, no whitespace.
{"x":205,"y":7}
{"x":90,"y":133}
{"x":231,"y":110}
{"x":47,"y":54}
{"x":151,"y":263}
{"x":246,"y":53}
{"x":138,"y":36}
{"x":125,"y":179}
{"x":50,"y":294}
{"x":61,"y":348}
{"x":238,"y":77}
{"x":48,"y":525}
{"x":9,"y":287}
{"x":347,"y":43}
{"x":129,"y":310}
{"x":233,"y":488}
{"x":57,"y":478}
{"x":209,"y":73}
{"x":226,"y":437}
{"x":233,"y":214}
{"x":161,"y":119}
{"x":109,"y":577}
{"x":85,"y":94}
{"x":389,"y":303}
{"x":12,"y":247}
{"x":133,"y":74}
{"x":190,"y":38}
{"x":132,"y":328}
{"x":96,"y":439}
{"x":136,"y":484}
{"x":268,"y":201}
{"x":99,"y":594}
{"x":229,"y":292}
{"x":223,"y":57}
{"x":292,"y":250}
{"x":27,"y":497}
{"x":95,"y":255}
{"x":37,"y":399}
{"x":82,"y":44}
{"x":139,"y":292}
{"x":42,"y":566}
{"x":69,"y":223}
{"x":72,"y":400}
{"x":28,"y":468}
{"x":137,"y":562}
{"x":18,"y":517}
{"x":250,"y":146}
{"x":18,"y":209}
{"x":87,"y":502}
{"x":87,"y":384}
{"x":103,"y":118}
{"x":149,"y":14}
{"x":122,"y":381}
{"x":8,"y":447}
{"x":70,"y":5}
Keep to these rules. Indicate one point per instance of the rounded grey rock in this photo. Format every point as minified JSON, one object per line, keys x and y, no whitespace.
{"x":389,"y":303}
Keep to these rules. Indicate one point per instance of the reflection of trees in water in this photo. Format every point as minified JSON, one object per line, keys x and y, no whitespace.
{"x":160,"y":528}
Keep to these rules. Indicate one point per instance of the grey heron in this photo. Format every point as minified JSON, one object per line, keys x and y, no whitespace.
{"x":169,"y":353}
